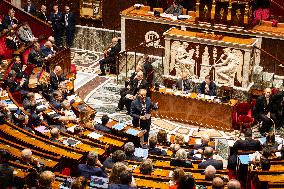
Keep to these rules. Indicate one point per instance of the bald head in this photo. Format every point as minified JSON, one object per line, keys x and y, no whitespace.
{"x":217,"y":183}
{"x":57,"y":70}
{"x":234,"y":184}
{"x":142,"y":94}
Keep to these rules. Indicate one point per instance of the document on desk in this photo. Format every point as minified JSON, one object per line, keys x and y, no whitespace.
{"x":94,"y":135}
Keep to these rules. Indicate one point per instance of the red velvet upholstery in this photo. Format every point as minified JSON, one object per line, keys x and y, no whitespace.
{"x":261,"y":14}
{"x":243,"y":115}
{"x":73,"y":68}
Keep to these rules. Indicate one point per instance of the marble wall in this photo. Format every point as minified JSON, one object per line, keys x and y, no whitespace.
{"x":93,"y":39}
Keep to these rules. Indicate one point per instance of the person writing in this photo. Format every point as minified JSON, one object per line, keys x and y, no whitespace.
{"x":175,"y":9}
{"x":207,"y":87}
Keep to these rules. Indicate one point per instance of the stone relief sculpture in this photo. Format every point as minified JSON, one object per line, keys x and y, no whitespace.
{"x":181,"y":59}
{"x":225,"y":71}
{"x":205,"y":66}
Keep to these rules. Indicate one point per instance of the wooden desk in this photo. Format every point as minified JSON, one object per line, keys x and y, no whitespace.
{"x":193,"y":111}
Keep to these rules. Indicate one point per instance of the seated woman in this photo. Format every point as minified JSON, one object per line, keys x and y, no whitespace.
{"x":177,"y":174}
{"x":181,"y":159}
{"x":162,"y":138}
{"x":117,"y":169}
{"x":146,"y":167}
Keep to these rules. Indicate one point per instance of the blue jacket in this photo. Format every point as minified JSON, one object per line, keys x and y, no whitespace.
{"x":87,"y":171}
{"x":212,"y":89}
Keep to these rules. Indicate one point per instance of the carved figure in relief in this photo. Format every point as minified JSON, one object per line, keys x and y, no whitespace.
{"x":184,"y":59}
{"x":226,"y":70}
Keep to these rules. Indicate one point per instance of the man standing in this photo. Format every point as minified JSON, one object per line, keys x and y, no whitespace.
{"x":30,"y":8}
{"x":56,"y":20}
{"x":110,"y":55}
{"x":69,"y":23}
{"x":141,"y":112}
{"x":42,"y":14}
{"x":55,"y":78}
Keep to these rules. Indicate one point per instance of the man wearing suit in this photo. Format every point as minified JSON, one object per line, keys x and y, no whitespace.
{"x":69,"y":23}
{"x":10,"y":20}
{"x":102,"y":126}
{"x":42,"y":14}
{"x":25,"y":33}
{"x":55,"y":78}
{"x":175,"y":9}
{"x":141,"y":112}
{"x":207,"y":87}
{"x":110,"y":55}
{"x":46,"y":49}
{"x":93,"y":167}
{"x":6,"y":171}
{"x":208,"y":153}
{"x":56,"y":100}
{"x":266,"y":111}
{"x":184,"y":83}
{"x":57,"y":22}
{"x":30,"y":8}
{"x":35,"y":57}
{"x":152,"y":147}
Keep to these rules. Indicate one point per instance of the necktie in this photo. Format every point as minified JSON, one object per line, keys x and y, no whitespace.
{"x":29,"y":8}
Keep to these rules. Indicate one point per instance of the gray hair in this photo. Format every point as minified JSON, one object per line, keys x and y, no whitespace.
{"x":129,"y":148}
{"x":26,"y":153}
{"x":210,"y":172}
{"x":181,"y":154}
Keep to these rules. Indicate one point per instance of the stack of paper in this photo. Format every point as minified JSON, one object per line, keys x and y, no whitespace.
{"x":133,"y":132}
{"x":95,"y":135}
{"x":119,"y":126}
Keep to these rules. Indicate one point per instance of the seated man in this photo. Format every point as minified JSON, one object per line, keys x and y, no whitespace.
{"x":102,"y":126}
{"x":218,"y":183}
{"x":129,"y":150}
{"x":208,"y":153}
{"x":25,"y":33}
{"x":93,"y":167}
{"x":184,"y":83}
{"x":54,"y":135}
{"x":46,"y":49}
{"x":175,"y":9}
{"x":110,"y":55}
{"x":29,"y":103}
{"x":28,"y":159}
{"x":152,"y":147}
{"x":207,"y":87}
{"x":146,"y":167}
{"x":125,"y":179}
{"x":12,"y":40}
{"x":19,"y":68}
{"x":46,"y":178}
{"x":181,"y":159}
{"x":118,"y":156}
{"x":234,"y":184}
{"x":36,"y":57}
{"x":210,"y":173}
{"x":56,"y":78}
{"x":124,"y":101}
{"x":12,"y":82}
{"x":42,"y":14}
{"x":56,"y":100}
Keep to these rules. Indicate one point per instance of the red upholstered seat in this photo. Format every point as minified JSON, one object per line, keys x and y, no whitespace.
{"x":243,"y":115}
{"x":73,"y":68}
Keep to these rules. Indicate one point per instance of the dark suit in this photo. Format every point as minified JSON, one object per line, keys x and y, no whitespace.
{"x":69,"y":23}
{"x":87,"y":171}
{"x":102,"y":127}
{"x":46,"y":51}
{"x":56,"y":104}
{"x":133,"y":158}
{"x":123,"y":100}
{"x":108,"y":163}
{"x":13,"y":85}
{"x":137,"y":110}
{"x":35,"y":58}
{"x":212,"y":89}
{"x":273,"y":106}
{"x":119,"y":186}
{"x":55,"y":81}
{"x":29,"y":106}
{"x":215,"y":163}
{"x":42,"y":16}
{"x":181,"y":163}
{"x":185,"y":85}
{"x":8,"y":21}
{"x":57,"y":22}
{"x":18,"y":68}
{"x":111,"y":57}
{"x":136,"y":86}
{"x":6,"y":175}
{"x":30,"y":9}
{"x":175,"y":11}
{"x":157,"y":152}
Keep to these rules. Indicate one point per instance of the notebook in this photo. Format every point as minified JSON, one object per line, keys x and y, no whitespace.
{"x":133,"y":132}
{"x":119,"y":126}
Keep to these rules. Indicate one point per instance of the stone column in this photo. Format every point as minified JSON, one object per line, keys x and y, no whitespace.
{"x":16,"y":3}
{"x":167,"y":66}
{"x":123,"y":34}
{"x":247,"y":68}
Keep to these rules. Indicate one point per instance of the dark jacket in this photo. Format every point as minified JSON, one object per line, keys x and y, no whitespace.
{"x":185,"y":85}
{"x":114,"y":50}
{"x":108,"y":163}
{"x":8,"y":21}
{"x":55,"y":81}
{"x":181,"y":163}
{"x":215,"y":163}
{"x":119,"y":186}
{"x":133,"y":158}
{"x":32,"y":9}
{"x":46,"y":51}
{"x":175,"y":11}
{"x":29,"y":106}
{"x":56,"y":104}
{"x":136,"y":111}
{"x":35,"y":57}
{"x":102,"y":127}
{"x":71,"y":21}
{"x":135,"y":87}
{"x":87,"y":171}
{"x":57,"y":21}
{"x":42,"y":16}
{"x":17,"y":67}
{"x":157,"y":152}
{"x":6,"y":175}
{"x":212,"y":89}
